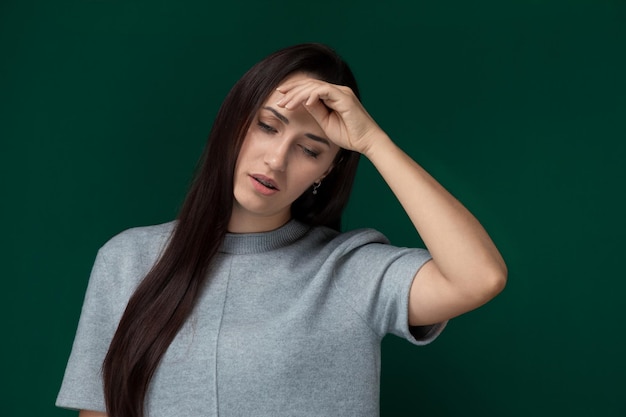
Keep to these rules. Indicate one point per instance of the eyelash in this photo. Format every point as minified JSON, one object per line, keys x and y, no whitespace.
{"x":269,"y":129}
{"x":309,"y":152}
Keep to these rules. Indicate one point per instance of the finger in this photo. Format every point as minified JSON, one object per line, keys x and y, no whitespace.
{"x":293,"y":88}
{"x":319,"y":111}
{"x":285,"y":87}
{"x":322,"y":92}
{"x":296,"y":96}
{"x":331,"y":97}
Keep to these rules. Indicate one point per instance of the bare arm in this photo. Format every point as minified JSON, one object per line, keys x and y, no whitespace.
{"x":466,"y":270}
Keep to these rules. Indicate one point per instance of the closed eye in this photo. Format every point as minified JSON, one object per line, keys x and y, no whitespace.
{"x":269,"y":129}
{"x":266,"y":127}
{"x":309,"y":152}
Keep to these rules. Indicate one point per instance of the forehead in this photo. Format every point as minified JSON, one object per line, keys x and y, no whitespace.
{"x":296,"y":116}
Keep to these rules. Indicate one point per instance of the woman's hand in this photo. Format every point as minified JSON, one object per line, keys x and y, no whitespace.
{"x":337,"y":110}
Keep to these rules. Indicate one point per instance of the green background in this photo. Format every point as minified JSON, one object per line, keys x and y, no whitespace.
{"x":518,"y":107}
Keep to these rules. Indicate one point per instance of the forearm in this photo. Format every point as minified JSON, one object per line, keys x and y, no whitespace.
{"x":467,"y":269}
{"x":460,"y":246}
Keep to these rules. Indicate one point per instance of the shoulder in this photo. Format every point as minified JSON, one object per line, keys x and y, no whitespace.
{"x":365,"y":250}
{"x":138,"y":245}
{"x":126,"y":258}
{"x":139,"y":237}
{"x":341,"y":242}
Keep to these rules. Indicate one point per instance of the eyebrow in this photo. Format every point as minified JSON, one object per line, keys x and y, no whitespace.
{"x":317,"y":139}
{"x":280,"y":116}
{"x":286,"y":121}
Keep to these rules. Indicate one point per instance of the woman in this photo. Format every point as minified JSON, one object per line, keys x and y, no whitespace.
{"x":252,"y":302}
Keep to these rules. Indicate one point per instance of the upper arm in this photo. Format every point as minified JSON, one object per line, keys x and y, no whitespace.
{"x":434,"y":299}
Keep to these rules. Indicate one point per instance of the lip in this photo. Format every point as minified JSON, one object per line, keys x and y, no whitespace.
{"x":255,"y":178}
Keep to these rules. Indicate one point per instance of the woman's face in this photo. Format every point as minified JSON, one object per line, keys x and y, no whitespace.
{"x":283,"y":153}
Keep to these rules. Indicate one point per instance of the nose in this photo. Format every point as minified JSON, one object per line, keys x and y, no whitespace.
{"x":276,"y":156}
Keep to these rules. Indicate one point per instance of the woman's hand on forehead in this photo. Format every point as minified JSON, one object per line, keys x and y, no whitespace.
{"x":337,"y":110}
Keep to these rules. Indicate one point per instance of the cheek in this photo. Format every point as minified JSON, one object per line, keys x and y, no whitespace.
{"x":246,"y":151}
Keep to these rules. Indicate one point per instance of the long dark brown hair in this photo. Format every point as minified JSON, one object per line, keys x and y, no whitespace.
{"x":166,"y":296}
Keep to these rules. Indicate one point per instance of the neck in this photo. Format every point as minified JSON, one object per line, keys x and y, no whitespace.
{"x":248,"y":223}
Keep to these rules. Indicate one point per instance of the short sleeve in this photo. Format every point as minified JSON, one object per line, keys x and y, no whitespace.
{"x":375,"y":279}
{"x":82,"y":383}
{"x":119,"y":267}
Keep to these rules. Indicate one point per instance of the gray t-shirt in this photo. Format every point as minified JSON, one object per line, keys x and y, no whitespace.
{"x":289,"y":324}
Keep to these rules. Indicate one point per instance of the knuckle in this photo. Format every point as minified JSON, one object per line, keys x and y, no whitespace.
{"x":346,"y":89}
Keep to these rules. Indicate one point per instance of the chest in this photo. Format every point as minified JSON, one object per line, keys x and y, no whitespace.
{"x":282,"y":335}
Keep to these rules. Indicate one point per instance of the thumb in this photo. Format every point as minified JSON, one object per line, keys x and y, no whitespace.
{"x":319,"y":111}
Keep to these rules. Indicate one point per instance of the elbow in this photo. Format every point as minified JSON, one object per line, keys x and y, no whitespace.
{"x":494,"y":281}
{"x":485,"y":283}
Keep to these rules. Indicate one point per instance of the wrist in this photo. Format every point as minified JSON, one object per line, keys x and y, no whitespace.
{"x":379,"y":144}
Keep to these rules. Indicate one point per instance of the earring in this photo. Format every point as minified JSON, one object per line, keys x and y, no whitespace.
{"x":316,"y":185}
